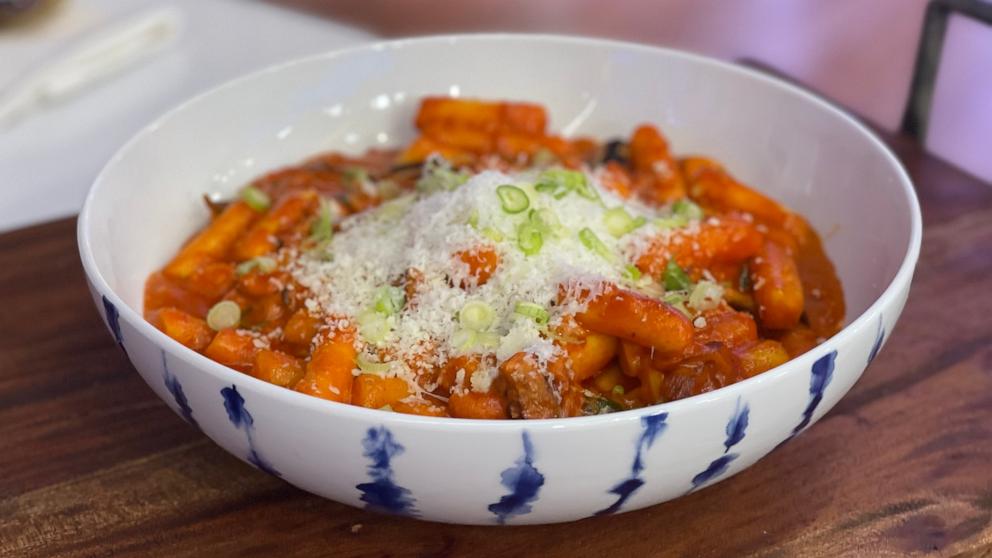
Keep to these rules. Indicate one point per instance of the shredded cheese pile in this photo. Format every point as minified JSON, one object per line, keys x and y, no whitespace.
{"x":425,"y":232}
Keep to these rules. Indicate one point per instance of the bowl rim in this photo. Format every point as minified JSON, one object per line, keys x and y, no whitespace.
{"x":902,"y":278}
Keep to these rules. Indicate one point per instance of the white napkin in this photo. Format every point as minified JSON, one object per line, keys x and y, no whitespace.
{"x":50,"y":156}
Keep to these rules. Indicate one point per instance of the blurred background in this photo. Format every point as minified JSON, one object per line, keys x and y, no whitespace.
{"x":78,"y":77}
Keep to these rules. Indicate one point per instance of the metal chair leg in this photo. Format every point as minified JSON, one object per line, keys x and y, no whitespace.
{"x":917,"y":115}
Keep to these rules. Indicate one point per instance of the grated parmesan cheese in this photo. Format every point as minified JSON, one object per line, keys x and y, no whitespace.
{"x":424,"y":232}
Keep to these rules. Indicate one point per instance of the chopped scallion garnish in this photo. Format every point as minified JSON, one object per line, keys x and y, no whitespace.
{"x":631,"y":272}
{"x":618,"y":222}
{"x":264,"y":264}
{"x":687,"y":209}
{"x":255,"y":198}
{"x":584,"y":189}
{"x":529,"y":238}
{"x":388,"y":189}
{"x":463,"y":339}
{"x":560,"y":182}
{"x":373,"y":326}
{"x":533,"y":311}
{"x":598,"y":405}
{"x":543,"y":158}
{"x":389,"y":300}
{"x":321,"y":228}
{"x":438,"y":176}
{"x":487,"y":340}
{"x":492,"y":234}
{"x":223,"y":315}
{"x":370,"y":366}
{"x":476,"y":315}
{"x":546,"y":187}
{"x":356,"y":174}
{"x":706,"y":295}
{"x":674,"y":278}
{"x":467,"y":339}
{"x":593,"y":243}
{"x":649,"y":287}
{"x":545,"y":220}
{"x":677,"y":300}
{"x":395,"y":208}
{"x":512,"y":199}
{"x":672,"y":222}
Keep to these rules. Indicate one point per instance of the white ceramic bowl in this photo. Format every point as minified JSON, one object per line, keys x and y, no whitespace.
{"x":793,"y":146}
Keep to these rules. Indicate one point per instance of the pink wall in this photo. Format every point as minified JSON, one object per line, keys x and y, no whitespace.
{"x":858,"y":52}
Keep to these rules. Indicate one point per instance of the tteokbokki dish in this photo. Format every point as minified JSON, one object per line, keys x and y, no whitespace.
{"x":493,"y":270}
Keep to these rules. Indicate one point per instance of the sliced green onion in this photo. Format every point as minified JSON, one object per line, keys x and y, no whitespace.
{"x":512,"y":199}
{"x":543,"y":217}
{"x":593,"y":243}
{"x":487,"y":340}
{"x":467,"y":339}
{"x":672,"y":222}
{"x":373,"y":326}
{"x":371,"y":366}
{"x":546,"y":187}
{"x":533,"y":311}
{"x":529,"y":238}
{"x":492,"y":234}
{"x":543,"y":158}
{"x":560,"y":182}
{"x":648,"y":287}
{"x":322,"y":252}
{"x":618,"y":222}
{"x":473,"y":219}
{"x":476,"y":315}
{"x":255,"y":198}
{"x":584,"y":189}
{"x":389,"y":300}
{"x":245,"y":267}
{"x":618,"y":390}
{"x":674,"y":278}
{"x":546,"y":220}
{"x":677,"y":301}
{"x":438,"y":176}
{"x":321,"y":229}
{"x":356,"y":174}
{"x":463,"y":339}
{"x":388,"y":189}
{"x":394,"y":208}
{"x":687,"y":209}
{"x":631,"y":272}
{"x":263,"y":264}
{"x":705,"y":296}
{"x":597,"y":405}
{"x":223,"y":315}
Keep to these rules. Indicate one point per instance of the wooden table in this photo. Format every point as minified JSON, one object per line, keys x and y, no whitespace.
{"x":93,"y":464}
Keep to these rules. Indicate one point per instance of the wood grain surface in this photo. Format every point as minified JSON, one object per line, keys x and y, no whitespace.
{"x":93,"y":464}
